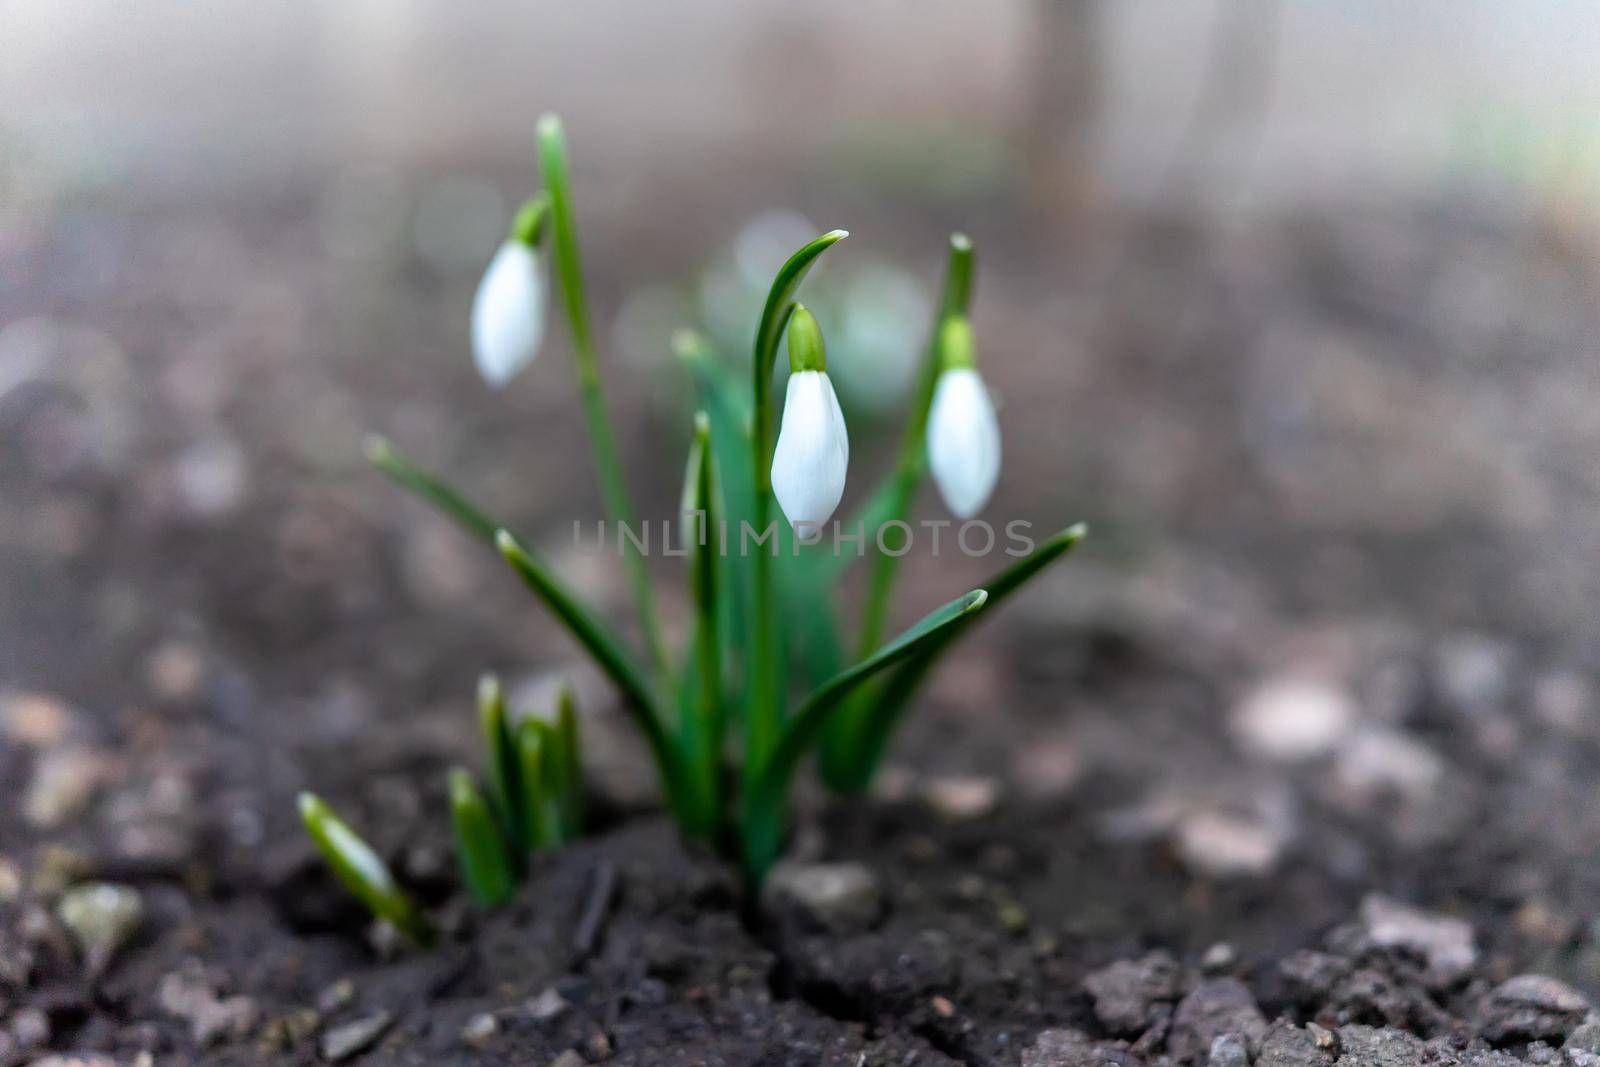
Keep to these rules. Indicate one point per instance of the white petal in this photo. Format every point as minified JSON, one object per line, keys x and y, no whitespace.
{"x":808,"y":465}
{"x":963,"y":441}
{"x":508,"y":313}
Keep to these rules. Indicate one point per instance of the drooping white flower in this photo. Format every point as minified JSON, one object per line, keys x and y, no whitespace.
{"x":508,"y":312}
{"x":808,"y":466}
{"x":963,"y":433}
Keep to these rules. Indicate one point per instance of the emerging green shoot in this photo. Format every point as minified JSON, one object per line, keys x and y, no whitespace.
{"x":361,"y":870}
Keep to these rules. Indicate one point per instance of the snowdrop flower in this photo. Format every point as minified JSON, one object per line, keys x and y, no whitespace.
{"x":963,"y":433}
{"x":808,"y":465}
{"x":509,"y":310}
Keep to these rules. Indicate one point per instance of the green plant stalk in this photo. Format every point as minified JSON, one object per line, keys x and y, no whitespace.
{"x":569,"y":267}
{"x":842,"y":737}
{"x":703,"y":723}
{"x":569,"y":758}
{"x":764,"y":706}
{"x":359,"y":868}
{"x":767,"y":782}
{"x":479,"y":846}
{"x":506,"y":793}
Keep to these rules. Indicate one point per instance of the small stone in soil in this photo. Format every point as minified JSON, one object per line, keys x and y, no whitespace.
{"x":1229,"y":1050}
{"x":833,"y":897}
{"x":30,"y":1028}
{"x":1129,"y":994}
{"x":1066,"y":1048}
{"x":1293,"y":718}
{"x":1531,"y":1007}
{"x":64,"y":782}
{"x":480,"y":1030}
{"x":10,"y":881}
{"x":1446,"y":943}
{"x":569,"y":1058}
{"x":210,"y":1018}
{"x":1219,"y":845}
{"x":336,"y":996}
{"x":1215,"y":1007}
{"x":1287,"y":1045}
{"x":354,"y":1037}
{"x":547,"y":1006}
{"x":101,"y":917}
{"x":1218,"y":958}
{"x":961,"y":799}
{"x":1379,"y":1047}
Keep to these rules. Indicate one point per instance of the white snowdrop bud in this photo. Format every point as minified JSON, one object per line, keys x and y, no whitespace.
{"x":963,"y":433}
{"x":813,"y":450}
{"x":508,"y":312}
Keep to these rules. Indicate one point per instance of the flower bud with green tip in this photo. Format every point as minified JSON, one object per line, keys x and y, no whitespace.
{"x":508,"y":312}
{"x":479,"y":846}
{"x":963,"y":433}
{"x":813,"y":450}
{"x":361,"y":871}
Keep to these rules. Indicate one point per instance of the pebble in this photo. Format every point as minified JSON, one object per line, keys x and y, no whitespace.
{"x":30,"y":1028}
{"x":64,"y":782}
{"x":211,"y":1018}
{"x":1531,"y":1007}
{"x":352,"y":1038}
{"x":1287,"y":1045}
{"x":1215,"y":1007}
{"x":1130,"y":995}
{"x":832,"y":897}
{"x":547,"y":1006}
{"x":101,"y":917}
{"x":1218,"y":845}
{"x":1388,"y":761}
{"x":1218,"y":958}
{"x":1229,"y":1050}
{"x":34,"y":719}
{"x":1369,"y":1046}
{"x":1445,"y":942}
{"x":10,"y":881}
{"x":962,"y":798}
{"x":480,"y":1030}
{"x":1292,"y":718}
{"x":1472,"y":671}
{"x":1063,"y":1048}
{"x":569,"y":1058}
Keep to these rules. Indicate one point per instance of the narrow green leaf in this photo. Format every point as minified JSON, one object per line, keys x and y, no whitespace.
{"x":770,"y":780}
{"x":478,"y":843}
{"x":384,"y":456}
{"x":887,"y":703}
{"x":608,"y":653}
{"x":535,"y":753}
{"x":505,"y":772}
{"x":359,"y":868}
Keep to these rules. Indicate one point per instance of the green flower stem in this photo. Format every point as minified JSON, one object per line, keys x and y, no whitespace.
{"x":769,"y":779}
{"x":553,"y":153}
{"x":359,"y":868}
{"x":955,"y":300}
{"x":764,"y":711}
{"x":479,"y":846}
{"x":703,"y":719}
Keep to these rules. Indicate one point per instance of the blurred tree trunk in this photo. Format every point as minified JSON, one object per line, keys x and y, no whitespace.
{"x":1064,"y":107}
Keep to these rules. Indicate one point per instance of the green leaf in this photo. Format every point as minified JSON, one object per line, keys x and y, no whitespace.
{"x":536,"y":744}
{"x":505,"y":772}
{"x":609,"y":653}
{"x":359,"y":868}
{"x":478,"y":843}
{"x":769,"y":783}
{"x":887,"y":703}
{"x":388,"y":459}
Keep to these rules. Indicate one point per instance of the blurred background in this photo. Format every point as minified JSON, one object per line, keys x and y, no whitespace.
{"x":1293,"y":301}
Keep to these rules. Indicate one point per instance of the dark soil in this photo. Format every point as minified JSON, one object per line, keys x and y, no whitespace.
{"x":1155,"y":814}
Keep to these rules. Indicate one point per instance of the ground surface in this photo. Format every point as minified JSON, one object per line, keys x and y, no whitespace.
{"x":1294,"y":764}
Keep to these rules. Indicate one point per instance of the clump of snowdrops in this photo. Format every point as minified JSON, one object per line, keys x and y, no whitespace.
{"x":717,"y":715}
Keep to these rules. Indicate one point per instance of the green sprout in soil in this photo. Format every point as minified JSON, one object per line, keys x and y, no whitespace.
{"x":725,"y":739}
